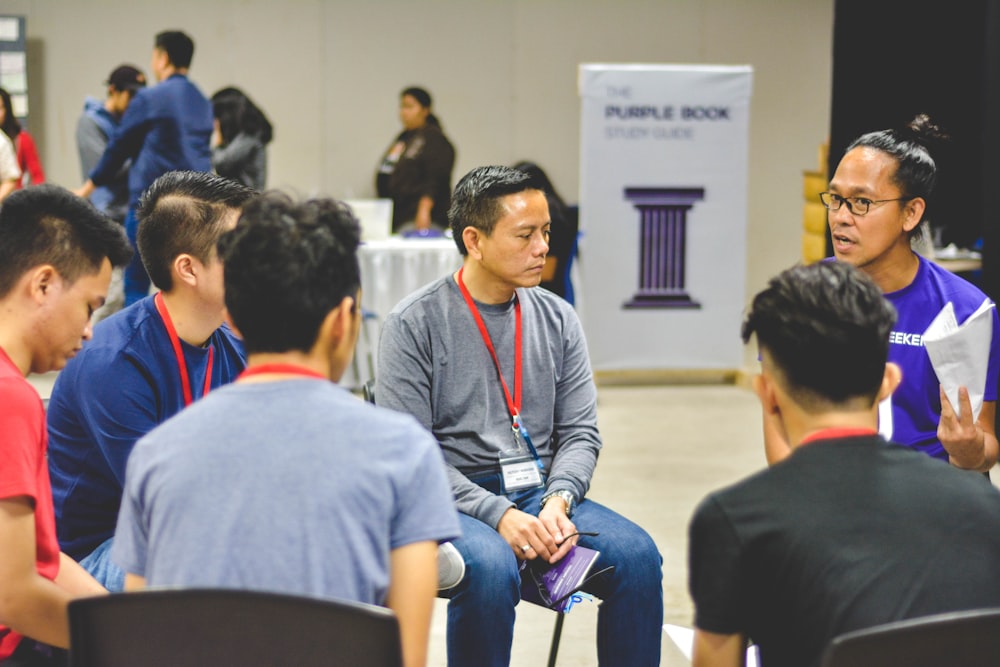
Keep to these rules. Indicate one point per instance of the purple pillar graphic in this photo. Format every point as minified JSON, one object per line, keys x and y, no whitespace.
{"x":662,"y":237}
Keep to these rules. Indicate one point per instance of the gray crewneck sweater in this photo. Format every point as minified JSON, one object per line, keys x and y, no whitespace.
{"x":433,"y":364}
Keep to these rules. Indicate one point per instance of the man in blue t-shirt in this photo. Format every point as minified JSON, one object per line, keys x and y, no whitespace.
{"x":284,"y":481}
{"x":166,"y":127}
{"x":878,"y":198}
{"x":145,"y":363}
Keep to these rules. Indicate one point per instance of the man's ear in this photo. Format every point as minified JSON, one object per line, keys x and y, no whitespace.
{"x":914,"y":213}
{"x":336,"y":326}
{"x":891,"y":378}
{"x":39,"y":282}
{"x":471,"y":236}
{"x":765,"y":389}
{"x":184,"y":269}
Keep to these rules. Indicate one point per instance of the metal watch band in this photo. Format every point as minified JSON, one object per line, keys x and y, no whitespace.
{"x":567,"y":497}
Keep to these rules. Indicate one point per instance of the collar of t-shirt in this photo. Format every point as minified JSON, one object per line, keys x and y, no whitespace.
{"x":836,"y":433}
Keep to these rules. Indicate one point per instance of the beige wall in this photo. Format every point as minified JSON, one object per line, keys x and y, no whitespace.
{"x":502,"y":72}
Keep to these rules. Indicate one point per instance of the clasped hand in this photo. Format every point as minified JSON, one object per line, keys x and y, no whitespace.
{"x":545,"y":535}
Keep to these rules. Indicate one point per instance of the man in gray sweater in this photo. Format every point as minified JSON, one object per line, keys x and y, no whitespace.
{"x":499,"y":372}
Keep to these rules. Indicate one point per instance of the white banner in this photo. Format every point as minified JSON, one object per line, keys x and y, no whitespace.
{"x":663,"y":190}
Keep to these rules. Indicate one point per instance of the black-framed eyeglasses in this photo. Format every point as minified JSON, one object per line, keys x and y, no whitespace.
{"x":856,"y":205}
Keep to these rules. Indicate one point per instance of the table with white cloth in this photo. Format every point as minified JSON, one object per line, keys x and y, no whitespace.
{"x":391,"y":270}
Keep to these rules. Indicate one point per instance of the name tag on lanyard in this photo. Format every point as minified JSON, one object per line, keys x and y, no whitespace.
{"x":519,"y":467}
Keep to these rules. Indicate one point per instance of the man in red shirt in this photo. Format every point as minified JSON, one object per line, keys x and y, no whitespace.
{"x":56,"y":256}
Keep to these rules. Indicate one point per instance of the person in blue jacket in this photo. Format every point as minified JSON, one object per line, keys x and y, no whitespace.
{"x":95,"y":127}
{"x":167,"y":127}
{"x":145,"y":362}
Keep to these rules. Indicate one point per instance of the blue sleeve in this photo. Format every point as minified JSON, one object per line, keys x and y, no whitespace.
{"x":116,"y":416}
{"x":125,"y":142}
{"x":993,"y":367}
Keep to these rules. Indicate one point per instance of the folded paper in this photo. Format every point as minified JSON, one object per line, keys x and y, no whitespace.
{"x":960,"y":353}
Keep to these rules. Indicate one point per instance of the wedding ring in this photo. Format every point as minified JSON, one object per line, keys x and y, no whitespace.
{"x":526,"y":548}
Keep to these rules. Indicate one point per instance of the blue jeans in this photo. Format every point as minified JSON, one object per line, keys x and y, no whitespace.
{"x":630,"y":616}
{"x":98,"y":564}
{"x":136,"y":279}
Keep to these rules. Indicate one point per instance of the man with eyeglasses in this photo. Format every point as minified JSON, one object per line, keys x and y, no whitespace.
{"x":877,"y":200}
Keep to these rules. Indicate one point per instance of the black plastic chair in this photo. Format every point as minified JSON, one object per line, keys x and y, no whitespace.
{"x":203,"y":627}
{"x":963,"y":638}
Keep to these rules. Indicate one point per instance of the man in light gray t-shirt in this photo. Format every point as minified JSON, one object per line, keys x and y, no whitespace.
{"x":283,"y":481}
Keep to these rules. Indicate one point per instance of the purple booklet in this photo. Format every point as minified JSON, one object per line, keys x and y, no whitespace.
{"x":551,"y":585}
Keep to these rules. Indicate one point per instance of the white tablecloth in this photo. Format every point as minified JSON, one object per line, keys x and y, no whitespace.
{"x":390,"y":270}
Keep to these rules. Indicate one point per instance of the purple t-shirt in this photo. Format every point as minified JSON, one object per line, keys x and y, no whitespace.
{"x":916,"y":404}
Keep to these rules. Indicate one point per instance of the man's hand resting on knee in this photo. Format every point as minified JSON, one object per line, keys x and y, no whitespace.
{"x":544,"y":535}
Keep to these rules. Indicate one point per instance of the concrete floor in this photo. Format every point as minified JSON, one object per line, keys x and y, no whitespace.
{"x":665,"y":447}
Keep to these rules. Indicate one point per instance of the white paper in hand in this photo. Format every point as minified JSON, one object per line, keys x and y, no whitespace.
{"x":960,"y":353}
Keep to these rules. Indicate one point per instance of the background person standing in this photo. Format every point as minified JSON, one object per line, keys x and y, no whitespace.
{"x":166,"y":128}
{"x":416,"y":170}
{"x":239,"y":142}
{"x":97,"y":123}
{"x":24,"y":143}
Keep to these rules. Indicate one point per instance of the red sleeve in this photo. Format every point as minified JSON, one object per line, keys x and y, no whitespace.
{"x":27,"y":158}
{"x":22,"y":438}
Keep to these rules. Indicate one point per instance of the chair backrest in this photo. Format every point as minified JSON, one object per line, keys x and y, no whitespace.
{"x":199,"y":627}
{"x":966,"y":638}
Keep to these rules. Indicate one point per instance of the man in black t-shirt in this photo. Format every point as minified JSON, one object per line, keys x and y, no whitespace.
{"x":849,"y":531}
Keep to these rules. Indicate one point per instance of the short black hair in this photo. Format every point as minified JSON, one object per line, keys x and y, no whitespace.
{"x":476,"y":199}
{"x":910,"y":146}
{"x":178,"y":47}
{"x":419,"y":94}
{"x":184,"y":212}
{"x":826,"y":326}
{"x":47,"y":224}
{"x":287,"y":265}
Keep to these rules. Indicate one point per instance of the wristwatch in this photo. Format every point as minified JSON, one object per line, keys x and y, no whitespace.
{"x":567,"y":497}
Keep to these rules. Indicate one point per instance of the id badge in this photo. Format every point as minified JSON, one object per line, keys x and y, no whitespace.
{"x":518,"y":468}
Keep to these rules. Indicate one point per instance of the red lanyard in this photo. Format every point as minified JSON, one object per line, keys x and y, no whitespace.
{"x":281,"y":369}
{"x":179,"y":353}
{"x":514,"y":405}
{"x":830,"y":433}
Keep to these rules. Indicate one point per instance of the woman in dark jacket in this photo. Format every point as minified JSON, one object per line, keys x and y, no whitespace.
{"x":416,"y":169}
